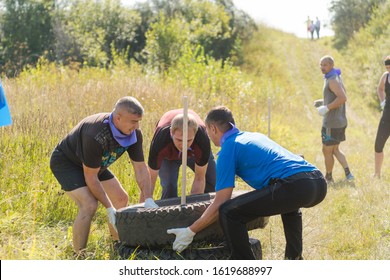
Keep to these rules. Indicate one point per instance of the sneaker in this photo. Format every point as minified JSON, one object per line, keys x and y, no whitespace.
{"x":350,"y":177}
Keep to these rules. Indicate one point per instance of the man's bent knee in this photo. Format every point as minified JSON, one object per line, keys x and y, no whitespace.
{"x":88,"y":209}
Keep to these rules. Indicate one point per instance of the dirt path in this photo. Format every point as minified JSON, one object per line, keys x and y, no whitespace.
{"x":300,"y":82}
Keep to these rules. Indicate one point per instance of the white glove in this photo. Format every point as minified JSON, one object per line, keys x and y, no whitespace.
{"x":322,"y":110}
{"x":111,"y":212}
{"x":149,"y":203}
{"x":383,"y":103}
{"x":184,"y":237}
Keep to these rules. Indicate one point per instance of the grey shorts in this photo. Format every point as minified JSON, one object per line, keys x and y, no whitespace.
{"x":70,"y":175}
{"x":332,"y":136}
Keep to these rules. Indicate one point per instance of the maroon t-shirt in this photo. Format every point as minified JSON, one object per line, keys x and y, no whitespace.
{"x":91,"y":143}
{"x":162,"y":146}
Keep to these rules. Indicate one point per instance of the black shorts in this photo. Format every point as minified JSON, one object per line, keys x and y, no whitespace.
{"x":332,"y":136}
{"x":70,"y":175}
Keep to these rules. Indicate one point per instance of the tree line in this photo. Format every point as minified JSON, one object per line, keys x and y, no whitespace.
{"x":85,"y":32}
{"x":154,"y":33}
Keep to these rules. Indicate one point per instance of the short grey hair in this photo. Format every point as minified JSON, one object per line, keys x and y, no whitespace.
{"x":130,"y":104}
{"x":178,"y":120}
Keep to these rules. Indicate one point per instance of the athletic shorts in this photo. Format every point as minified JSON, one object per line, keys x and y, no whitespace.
{"x":332,"y":136}
{"x":70,"y":175}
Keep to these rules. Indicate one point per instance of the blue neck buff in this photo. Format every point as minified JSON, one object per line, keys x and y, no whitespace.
{"x":123,"y":139}
{"x":334,"y":71}
{"x":228,"y":133}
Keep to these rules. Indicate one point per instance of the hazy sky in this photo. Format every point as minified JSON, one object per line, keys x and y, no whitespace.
{"x":287,"y":15}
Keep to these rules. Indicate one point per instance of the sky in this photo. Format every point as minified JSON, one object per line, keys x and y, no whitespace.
{"x":287,"y":15}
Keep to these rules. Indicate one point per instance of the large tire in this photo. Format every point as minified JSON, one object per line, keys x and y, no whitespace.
{"x":147,"y":227}
{"x":216,"y":251}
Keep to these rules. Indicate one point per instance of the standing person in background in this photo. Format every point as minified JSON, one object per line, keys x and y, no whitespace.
{"x":166,"y":150}
{"x":308,"y":23}
{"x":383,"y":132}
{"x":80,"y":163}
{"x":282,"y":181}
{"x":334,"y":118}
{"x":5,"y":115}
{"x":318,"y":27}
{"x":312,"y":28}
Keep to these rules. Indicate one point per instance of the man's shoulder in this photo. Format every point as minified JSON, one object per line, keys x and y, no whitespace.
{"x":96,"y":120}
{"x":162,"y":137}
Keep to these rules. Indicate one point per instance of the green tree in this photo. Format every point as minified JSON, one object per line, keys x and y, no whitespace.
{"x":165,"y":41}
{"x":216,"y":26}
{"x":26,"y":33}
{"x":348,"y":16}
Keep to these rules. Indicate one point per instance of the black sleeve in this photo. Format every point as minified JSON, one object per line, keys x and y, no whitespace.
{"x":160,"y":140}
{"x":203,"y":142}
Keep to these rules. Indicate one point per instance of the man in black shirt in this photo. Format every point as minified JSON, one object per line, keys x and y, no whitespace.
{"x":80,"y":163}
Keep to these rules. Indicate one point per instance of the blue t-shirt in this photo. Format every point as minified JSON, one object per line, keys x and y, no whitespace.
{"x":256,"y":159}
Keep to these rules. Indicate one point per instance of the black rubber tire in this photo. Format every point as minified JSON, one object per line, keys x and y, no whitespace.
{"x":146,"y":227}
{"x":215,"y":251}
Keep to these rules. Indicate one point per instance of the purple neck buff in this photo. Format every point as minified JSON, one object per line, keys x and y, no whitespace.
{"x":334,"y":71}
{"x":232,"y":131}
{"x":123,"y":139}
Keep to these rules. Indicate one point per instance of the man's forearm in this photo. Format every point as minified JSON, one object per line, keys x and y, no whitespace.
{"x":208,"y":217}
{"x":96,"y":188}
{"x":143,"y":181}
{"x":198,"y":186}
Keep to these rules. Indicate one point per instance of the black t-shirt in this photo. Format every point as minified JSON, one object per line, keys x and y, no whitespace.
{"x":91,"y":143}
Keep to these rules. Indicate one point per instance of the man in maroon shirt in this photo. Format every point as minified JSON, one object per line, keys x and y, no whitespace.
{"x":80,"y":163}
{"x":166,"y":151}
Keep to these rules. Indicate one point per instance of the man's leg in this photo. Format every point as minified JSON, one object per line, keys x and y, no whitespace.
{"x":340,"y":156}
{"x":378,"y":164}
{"x":119,"y":198}
{"x":87,"y":205}
{"x":169,"y":174}
{"x":343,"y":161}
{"x":382,"y":135}
{"x":292,"y":225}
{"x":329,"y":159}
{"x":235,"y":213}
{"x":233,"y":223}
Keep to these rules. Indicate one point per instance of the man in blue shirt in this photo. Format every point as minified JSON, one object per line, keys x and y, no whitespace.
{"x":5,"y":116}
{"x":283,"y":183}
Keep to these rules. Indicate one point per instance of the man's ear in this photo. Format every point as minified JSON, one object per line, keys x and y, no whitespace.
{"x":116,"y":117}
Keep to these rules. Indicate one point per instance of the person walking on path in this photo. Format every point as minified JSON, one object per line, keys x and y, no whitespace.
{"x":383,"y":132}
{"x":334,"y":118}
{"x":80,"y":163}
{"x":312,"y":28}
{"x":308,"y":23}
{"x":282,"y":181}
{"x":166,"y":150}
{"x":318,"y":27}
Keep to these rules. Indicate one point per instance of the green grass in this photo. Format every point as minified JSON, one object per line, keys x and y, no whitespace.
{"x":36,"y":217}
